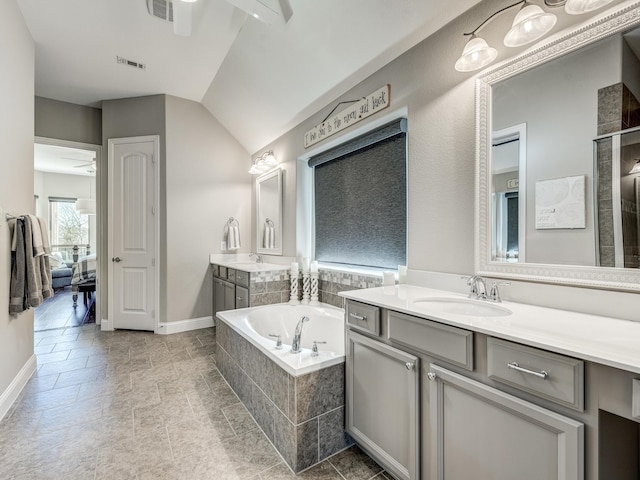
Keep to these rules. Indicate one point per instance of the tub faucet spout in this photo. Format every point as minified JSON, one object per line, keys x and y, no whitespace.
{"x":297,"y":335}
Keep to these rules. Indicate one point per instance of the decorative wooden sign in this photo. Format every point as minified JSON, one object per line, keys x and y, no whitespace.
{"x":372,"y":103}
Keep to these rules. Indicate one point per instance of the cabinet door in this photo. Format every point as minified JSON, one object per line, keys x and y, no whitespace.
{"x":383,"y":404}
{"x":224,"y":296}
{"x":242,"y":297}
{"x":229,"y":296}
{"x":481,"y":433}
{"x":218,"y":296}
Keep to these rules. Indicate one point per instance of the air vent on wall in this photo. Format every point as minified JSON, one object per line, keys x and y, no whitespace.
{"x":161,"y":8}
{"x":131,"y":63}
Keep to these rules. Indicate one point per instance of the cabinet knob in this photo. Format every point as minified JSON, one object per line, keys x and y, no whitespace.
{"x":431,"y":376}
{"x":410,"y":366}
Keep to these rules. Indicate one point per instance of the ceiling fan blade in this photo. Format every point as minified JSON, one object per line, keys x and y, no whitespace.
{"x":182,"y":18}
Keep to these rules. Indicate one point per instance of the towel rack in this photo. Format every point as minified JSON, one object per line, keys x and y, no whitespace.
{"x":232,"y":222}
{"x":269,"y":222}
{"x":8,"y":216}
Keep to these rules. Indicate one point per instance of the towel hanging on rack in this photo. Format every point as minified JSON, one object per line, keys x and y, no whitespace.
{"x":269,"y":234}
{"x":232,"y":234}
{"x":30,"y":282}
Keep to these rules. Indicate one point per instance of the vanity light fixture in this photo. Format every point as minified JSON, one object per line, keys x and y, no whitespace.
{"x":577,"y":7}
{"x":529,"y":24}
{"x":263,"y":163}
{"x":636,"y":168}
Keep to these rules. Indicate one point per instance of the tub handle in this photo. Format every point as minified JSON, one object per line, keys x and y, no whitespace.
{"x":278,"y":341}
{"x":314,"y":349}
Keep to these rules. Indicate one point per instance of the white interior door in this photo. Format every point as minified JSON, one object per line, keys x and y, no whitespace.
{"x":133,"y":223}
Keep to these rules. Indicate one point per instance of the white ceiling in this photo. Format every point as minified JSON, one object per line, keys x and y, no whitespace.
{"x":258,"y":80}
{"x":66,"y":160}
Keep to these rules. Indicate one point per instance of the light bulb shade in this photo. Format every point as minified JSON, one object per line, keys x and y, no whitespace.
{"x":475,"y":55}
{"x":635,"y":169}
{"x":269,"y":159}
{"x":577,"y":7}
{"x":86,"y":206}
{"x":529,"y":25}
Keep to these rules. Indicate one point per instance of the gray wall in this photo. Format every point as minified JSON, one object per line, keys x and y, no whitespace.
{"x":203,"y":181}
{"x":441,"y":146}
{"x":17,"y":55}
{"x":559,"y":103}
{"x":132,"y":117}
{"x":67,"y":121}
{"x":206,"y":183}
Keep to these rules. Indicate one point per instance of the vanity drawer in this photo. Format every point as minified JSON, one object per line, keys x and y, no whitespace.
{"x":242,"y":278}
{"x":363,"y":317}
{"x":222,"y":272}
{"x":231,"y":275}
{"x":547,"y":375}
{"x":455,"y":345}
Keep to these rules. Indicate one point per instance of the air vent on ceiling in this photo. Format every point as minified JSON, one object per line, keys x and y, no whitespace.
{"x":161,"y":8}
{"x":131,"y":63}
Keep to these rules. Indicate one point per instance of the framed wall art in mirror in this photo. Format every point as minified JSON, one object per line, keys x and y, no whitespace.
{"x":269,"y":213}
{"x":563,"y":107}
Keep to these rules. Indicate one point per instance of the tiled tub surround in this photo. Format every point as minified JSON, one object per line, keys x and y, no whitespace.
{"x":303,"y":416}
{"x":267,"y":288}
{"x":332,"y":282}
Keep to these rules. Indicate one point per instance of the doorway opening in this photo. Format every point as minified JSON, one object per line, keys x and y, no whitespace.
{"x":66,"y":197}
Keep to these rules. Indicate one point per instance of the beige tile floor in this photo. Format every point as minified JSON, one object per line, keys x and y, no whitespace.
{"x":133,"y":405}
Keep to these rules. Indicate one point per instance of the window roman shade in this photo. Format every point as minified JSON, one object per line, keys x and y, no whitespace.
{"x":361,"y":199}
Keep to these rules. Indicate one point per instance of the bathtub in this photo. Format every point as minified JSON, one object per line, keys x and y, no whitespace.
{"x":296,"y":399}
{"x":326,"y":324}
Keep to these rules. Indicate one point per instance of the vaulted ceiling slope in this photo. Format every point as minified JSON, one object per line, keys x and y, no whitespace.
{"x":258,"y":80}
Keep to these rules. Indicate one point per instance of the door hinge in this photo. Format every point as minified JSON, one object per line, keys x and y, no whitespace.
{"x":153,"y":210}
{"x":153,"y":159}
{"x":153,"y":262}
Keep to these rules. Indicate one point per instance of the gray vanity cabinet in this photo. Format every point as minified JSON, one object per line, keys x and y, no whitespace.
{"x":485,"y":434}
{"x":224,"y":295}
{"x":383,"y":408}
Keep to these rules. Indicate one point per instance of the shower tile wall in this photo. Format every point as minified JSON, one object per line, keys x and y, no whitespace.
{"x":618,"y":109}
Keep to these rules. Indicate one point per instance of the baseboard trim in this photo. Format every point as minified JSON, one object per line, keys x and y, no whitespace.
{"x":11,"y":394}
{"x":167,"y":328}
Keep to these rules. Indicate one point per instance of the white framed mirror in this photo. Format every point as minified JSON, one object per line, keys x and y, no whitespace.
{"x":269,"y":213}
{"x":552,"y":218}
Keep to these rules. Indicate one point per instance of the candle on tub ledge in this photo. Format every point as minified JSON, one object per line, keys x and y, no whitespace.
{"x":294,"y":268}
{"x":388,"y":278}
{"x":314,"y":266}
{"x":305,"y":265}
{"x":402,"y":274}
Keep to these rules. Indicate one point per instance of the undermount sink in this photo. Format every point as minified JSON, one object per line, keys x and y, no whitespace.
{"x":463,"y":306}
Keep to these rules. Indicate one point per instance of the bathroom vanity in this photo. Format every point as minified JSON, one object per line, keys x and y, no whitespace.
{"x":443,"y":387}
{"x":240,"y":283}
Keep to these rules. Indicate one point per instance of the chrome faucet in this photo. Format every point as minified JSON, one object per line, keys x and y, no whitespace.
{"x":258,"y":257}
{"x":474,"y":281}
{"x":297,"y":335}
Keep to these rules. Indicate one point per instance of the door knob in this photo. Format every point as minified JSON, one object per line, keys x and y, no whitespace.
{"x":116,"y":259}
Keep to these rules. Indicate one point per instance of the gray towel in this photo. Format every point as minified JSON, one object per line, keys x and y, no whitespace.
{"x":17,"y":294}
{"x":33,"y":277}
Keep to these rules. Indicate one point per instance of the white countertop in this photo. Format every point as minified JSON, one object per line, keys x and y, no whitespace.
{"x":246,"y":265}
{"x":605,"y":340}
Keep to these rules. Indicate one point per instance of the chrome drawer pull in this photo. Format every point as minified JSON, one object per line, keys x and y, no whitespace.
{"x":514,"y":366}
{"x":359,"y":318}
